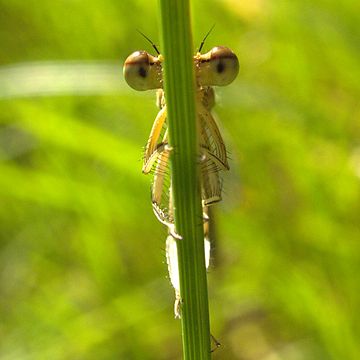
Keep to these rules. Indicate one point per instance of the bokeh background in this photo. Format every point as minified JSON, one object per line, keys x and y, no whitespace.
{"x":82,"y":261}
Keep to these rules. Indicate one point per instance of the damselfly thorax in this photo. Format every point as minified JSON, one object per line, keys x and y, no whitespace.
{"x":142,"y":71}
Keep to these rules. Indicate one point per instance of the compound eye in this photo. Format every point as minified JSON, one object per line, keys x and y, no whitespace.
{"x":142,"y":71}
{"x":224,"y":65}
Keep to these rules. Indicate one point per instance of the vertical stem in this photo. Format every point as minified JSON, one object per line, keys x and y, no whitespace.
{"x":179,"y":84}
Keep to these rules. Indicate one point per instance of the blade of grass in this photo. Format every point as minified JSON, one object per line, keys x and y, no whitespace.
{"x":179,"y":84}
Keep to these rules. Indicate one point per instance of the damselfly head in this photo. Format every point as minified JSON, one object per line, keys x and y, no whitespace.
{"x":143,"y":71}
{"x":218,"y":67}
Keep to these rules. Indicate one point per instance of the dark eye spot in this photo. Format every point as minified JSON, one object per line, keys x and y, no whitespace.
{"x":220,"y":67}
{"x":142,"y":72}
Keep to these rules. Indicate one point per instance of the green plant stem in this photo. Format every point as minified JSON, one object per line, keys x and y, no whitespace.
{"x":179,"y":85}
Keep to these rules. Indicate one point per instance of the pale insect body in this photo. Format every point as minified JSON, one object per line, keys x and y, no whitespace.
{"x":142,"y":71}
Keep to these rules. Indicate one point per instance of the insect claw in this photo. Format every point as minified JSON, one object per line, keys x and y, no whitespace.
{"x":177,"y":306}
{"x":173,"y":233}
{"x":216,"y":343}
{"x":168,"y":148}
{"x":205,"y":217}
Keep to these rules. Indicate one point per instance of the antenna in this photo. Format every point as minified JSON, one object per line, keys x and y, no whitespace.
{"x":153,"y":45}
{"x":203,"y":42}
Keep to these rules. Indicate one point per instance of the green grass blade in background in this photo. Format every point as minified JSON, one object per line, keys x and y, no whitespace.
{"x":180,"y":98}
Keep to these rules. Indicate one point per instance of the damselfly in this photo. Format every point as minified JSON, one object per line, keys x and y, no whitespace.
{"x":142,"y":71}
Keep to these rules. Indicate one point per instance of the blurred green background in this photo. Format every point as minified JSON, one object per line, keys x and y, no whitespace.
{"x":82,"y":261}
